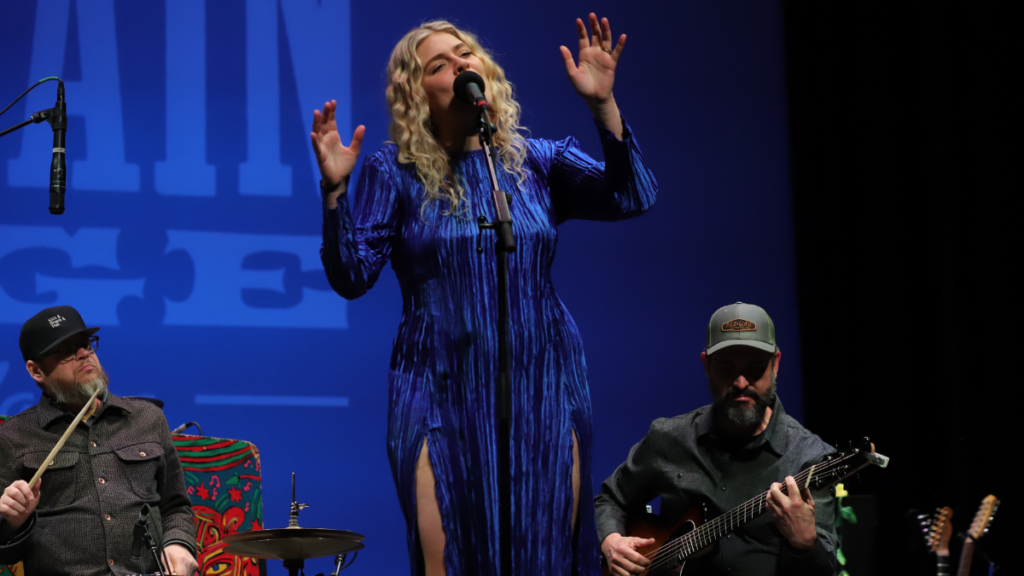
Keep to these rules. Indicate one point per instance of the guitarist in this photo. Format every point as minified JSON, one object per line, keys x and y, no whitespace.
{"x":723,"y":454}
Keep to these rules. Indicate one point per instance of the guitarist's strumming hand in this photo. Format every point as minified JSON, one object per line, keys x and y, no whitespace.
{"x":793,"y":514}
{"x":623,"y":559}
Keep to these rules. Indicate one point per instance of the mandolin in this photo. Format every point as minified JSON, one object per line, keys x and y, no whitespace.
{"x":693,"y":535}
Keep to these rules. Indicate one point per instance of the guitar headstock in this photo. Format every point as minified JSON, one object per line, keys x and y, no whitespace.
{"x":840,"y":465}
{"x":986,"y":512}
{"x":937,"y":530}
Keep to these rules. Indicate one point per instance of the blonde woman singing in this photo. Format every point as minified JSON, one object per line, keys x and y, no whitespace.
{"x":417,"y":203}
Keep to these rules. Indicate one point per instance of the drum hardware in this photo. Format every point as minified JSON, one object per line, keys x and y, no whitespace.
{"x":294,"y":545}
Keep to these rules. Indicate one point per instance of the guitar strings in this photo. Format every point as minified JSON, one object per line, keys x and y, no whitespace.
{"x":699,"y":538}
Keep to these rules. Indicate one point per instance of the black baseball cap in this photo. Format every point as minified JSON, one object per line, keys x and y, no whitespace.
{"x":43,"y":332}
{"x":740,"y":324}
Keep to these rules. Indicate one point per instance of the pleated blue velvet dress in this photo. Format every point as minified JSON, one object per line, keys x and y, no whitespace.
{"x":445,"y":359}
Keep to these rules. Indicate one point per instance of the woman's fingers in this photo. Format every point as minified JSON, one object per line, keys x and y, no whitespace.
{"x":619,"y":47}
{"x":328,"y":117}
{"x":317,"y":121}
{"x":333,"y":112}
{"x":570,"y":64}
{"x":581,"y":30}
{"x":357,"y":139}
{"x":595,"y":30}
{"x":315,"y":139}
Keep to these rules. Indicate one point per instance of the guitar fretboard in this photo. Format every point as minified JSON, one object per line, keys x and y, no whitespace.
{"x":966,"y":555}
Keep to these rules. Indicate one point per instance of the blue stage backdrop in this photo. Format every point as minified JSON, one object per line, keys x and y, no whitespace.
{"x":193,"y":217}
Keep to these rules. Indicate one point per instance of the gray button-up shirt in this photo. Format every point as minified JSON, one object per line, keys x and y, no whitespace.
{"x":688,"y":463}
{"x":92,"y":493}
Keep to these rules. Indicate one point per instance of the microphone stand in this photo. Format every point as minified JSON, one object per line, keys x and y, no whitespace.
{"x":153,"y":549}
{"x":504,"y":244}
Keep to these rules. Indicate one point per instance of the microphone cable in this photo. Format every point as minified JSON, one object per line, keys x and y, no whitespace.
{"x":30,"y":88}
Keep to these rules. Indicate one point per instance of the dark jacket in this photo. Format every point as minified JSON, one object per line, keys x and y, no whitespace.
{"x":91,"y":495}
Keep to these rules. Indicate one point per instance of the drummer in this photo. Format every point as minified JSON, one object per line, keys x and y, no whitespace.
{"x":79,"y":517}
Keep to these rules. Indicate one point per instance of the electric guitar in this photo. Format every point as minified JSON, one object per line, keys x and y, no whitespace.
{"x":937,"y":531}
{"x":691,"y":536}
{"x":979,"y":527}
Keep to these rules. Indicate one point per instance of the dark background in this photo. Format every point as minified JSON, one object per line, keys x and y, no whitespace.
{"x":902,"y":189}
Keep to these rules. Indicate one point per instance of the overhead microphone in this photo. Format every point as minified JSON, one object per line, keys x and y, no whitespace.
{"x":58,"y":120}
{"x":469,"y":87}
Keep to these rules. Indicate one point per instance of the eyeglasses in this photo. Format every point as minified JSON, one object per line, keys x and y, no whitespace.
{"x":67,"y":351}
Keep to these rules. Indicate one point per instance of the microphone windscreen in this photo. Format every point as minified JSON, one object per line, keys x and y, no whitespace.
{"x":465,"y":79}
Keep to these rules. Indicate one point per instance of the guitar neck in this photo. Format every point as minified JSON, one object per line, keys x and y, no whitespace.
{"x":942,"y":561}
{"x":966,"y":555}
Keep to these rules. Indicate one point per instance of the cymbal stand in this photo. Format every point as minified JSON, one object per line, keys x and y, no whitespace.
{"x":294,"y":567}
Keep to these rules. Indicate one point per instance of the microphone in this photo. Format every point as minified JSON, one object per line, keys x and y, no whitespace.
{"x":185,"y":426}
{"x":139,"y":533}
{"x":469,"y":87}
{"x":58,"y":171}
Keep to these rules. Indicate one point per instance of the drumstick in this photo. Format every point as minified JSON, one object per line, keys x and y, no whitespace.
{"x":90,"y":405}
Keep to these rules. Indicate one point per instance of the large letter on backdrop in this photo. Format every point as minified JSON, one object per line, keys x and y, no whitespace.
{"x":263,"y":174}
{"x":323,"y":71}
{"x":186,"y":173}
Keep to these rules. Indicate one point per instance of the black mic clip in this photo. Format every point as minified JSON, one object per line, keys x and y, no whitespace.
{"x":56,"y":116}
{"x":484,"y":224}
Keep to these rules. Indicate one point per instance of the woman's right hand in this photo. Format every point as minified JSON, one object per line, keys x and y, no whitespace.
{"x":335,"y":160}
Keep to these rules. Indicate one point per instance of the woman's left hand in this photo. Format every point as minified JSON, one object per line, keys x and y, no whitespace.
{"x":594,"y":77}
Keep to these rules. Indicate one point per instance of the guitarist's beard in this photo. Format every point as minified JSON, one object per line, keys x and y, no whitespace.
{"x":724,"y":409}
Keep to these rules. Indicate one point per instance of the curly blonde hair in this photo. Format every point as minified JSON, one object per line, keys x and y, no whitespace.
{"x":411,"y":127}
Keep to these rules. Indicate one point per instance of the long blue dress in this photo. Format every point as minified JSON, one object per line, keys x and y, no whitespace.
{"x":444,"y":362}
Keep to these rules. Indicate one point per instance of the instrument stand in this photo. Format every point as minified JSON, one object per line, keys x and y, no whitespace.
{"x":294,"y":567}
{"x":294,"y":545}
{"x":503,"y":245}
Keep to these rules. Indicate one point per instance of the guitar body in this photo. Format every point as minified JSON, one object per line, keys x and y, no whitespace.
{"x":663,"y":530}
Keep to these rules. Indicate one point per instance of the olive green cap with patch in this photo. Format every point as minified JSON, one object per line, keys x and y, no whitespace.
{"x":740,"y":324}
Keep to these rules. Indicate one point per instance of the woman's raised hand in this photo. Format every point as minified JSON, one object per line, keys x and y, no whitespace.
{"x":594,"y":77}
{"x":335,"y":160}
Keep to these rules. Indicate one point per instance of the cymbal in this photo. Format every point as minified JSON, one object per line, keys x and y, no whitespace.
{"x":292,"y":543}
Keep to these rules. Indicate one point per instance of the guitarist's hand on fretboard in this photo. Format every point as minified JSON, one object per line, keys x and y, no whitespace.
{"x":793,"y":513}
{"x":620,"y":552}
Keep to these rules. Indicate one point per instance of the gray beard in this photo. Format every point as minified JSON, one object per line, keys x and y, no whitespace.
{"x":745,"y":416}
{"x":80,"y":391}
